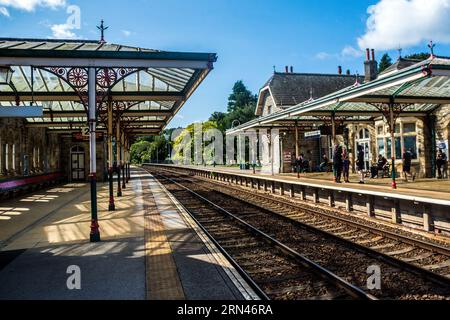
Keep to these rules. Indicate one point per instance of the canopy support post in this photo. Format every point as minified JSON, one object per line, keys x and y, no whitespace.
{"x":392,"y":131}
{"x":124,"y":186}
{"x":297,"y":146}
{"x":118,"y":155}
{"x":112,"y":206}
{"x":95,"y":233}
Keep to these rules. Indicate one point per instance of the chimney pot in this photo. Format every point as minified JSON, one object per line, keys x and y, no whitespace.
{"x":292,"y":69}
{"x":287,"y":69}
{"x":339,"y":70}
{"x":367,"y":54}
{"x":348,"y":72}
{"x":373,"y":54}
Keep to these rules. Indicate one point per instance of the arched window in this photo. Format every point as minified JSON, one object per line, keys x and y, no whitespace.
{"x":77,"y":149}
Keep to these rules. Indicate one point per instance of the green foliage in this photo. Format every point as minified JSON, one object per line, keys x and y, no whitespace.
{"x":241,"y":107}
{"x":418,"y":56}
{"x":188,"y":144}
{"x":385,"y":63}
{"x":146,"y":149}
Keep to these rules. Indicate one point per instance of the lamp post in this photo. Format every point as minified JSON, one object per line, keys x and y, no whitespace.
{"x":6,"y":74}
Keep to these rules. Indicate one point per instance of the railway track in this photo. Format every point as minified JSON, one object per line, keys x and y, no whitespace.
{"x":277,"y":271}
{"x":304,"y":232}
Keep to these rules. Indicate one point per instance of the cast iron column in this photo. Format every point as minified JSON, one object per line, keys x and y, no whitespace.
{"x":392,"y":128}
{"x":112,"y":206}
{"x":95,"y":233}
{"x":124,"y":161}
{"x":118,"y":146}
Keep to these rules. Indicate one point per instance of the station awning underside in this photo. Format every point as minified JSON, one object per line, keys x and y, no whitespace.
{"x":145,"y":87}
{"x":414,"y":91}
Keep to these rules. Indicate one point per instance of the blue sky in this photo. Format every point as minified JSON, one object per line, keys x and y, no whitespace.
{"x":249,"y":36}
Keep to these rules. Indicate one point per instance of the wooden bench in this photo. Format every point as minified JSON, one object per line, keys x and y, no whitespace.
{"x":13,"y":187}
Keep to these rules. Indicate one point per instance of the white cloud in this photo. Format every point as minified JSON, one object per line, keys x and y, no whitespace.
{"x":126,"y":33}
{"x":4,"y":11}
{"x":348,"y":52}
{"x":63,"y":31}
{"x":30,"y":5}
{"x":351,"y":52}
{"x":324,"y":56}
{"x":405,"y":23}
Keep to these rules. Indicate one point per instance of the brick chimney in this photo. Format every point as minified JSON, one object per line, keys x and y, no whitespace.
{"x":339,"y":70}
{"x":370,"y":66}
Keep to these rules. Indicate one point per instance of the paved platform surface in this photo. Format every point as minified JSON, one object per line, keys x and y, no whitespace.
{"x":432,"y":188}
{"x":148,"y":250}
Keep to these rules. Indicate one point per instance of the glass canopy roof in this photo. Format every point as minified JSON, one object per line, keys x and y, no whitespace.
{"x":153,"y":84}
{"x":420,"y":89}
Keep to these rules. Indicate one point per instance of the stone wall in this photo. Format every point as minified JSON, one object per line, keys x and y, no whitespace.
{"x":38,"y":151}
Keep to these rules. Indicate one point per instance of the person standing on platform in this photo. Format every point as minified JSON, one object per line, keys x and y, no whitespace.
{"x":407,"y":158}
{"x":323,"y":167}
{"x":345,"y":166}
{"x":298,"y":164}
{"x":441,"y":163}
{"x":337,"y":163}
{"x":360,"y":163}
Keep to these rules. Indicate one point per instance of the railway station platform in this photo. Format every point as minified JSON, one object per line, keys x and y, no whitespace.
{"x":432,"y":188}
{"x":150,"y":248}
{"x":417,"y":209}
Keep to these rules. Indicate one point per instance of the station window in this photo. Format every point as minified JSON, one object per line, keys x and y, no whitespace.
{"x":409,"y":127}
{"x":381,"y":147}
{"x":13,"y":153}
{"x":6,"y":157}
{"x":380,"y":130}
{"x":398,"y":148}
{"x":411,"y":143}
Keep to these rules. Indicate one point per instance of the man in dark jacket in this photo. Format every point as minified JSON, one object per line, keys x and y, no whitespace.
{"x":407,"y":158}
{"x":360,"y":163}
{"x":337,"y":163}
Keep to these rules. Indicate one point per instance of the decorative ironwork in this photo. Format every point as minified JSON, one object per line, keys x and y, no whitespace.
{"x":385,"y":109}
{"x":106,"y":77}
{"x":328,"y":120}
{"x":77,"y":77}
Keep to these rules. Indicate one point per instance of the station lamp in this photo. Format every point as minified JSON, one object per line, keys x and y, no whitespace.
{"x":6,"y":74}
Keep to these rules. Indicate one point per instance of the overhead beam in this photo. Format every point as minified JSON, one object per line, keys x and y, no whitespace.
{"x":116,"y":96}
{"x":402,"y":99}
{"x":129,"y":113}
{"x":76,"y":61}
{"x":80,"y":124}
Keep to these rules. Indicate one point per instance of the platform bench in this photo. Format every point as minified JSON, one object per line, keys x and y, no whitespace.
{"x":13,"y":187}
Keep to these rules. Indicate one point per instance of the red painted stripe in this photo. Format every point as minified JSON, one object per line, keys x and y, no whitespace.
{"x":29,"y":181}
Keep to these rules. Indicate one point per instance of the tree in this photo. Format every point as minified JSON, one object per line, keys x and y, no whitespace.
{"x":385,"y":63}
{"x":418,"y":56}
{"x":240,"y":97}
{"x":241,"y":107}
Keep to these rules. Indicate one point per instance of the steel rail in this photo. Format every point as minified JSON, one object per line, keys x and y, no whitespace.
{"x":321,"y":271}
{"x":437,"y":278}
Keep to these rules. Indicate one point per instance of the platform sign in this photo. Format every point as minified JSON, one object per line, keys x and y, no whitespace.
{"x":80,"y":137}
{"x":85,"y":131}
{"x":313,"y":134}
{"x":21,"y":112}
{"x":443,"y":145}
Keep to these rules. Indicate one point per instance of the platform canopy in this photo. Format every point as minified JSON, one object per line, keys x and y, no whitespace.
{"x":146,"y":87}
{"x":414,"y":91}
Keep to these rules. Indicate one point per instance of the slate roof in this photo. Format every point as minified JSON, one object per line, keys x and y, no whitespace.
{"x":289,"y":89}
{"x":400,"y":64}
